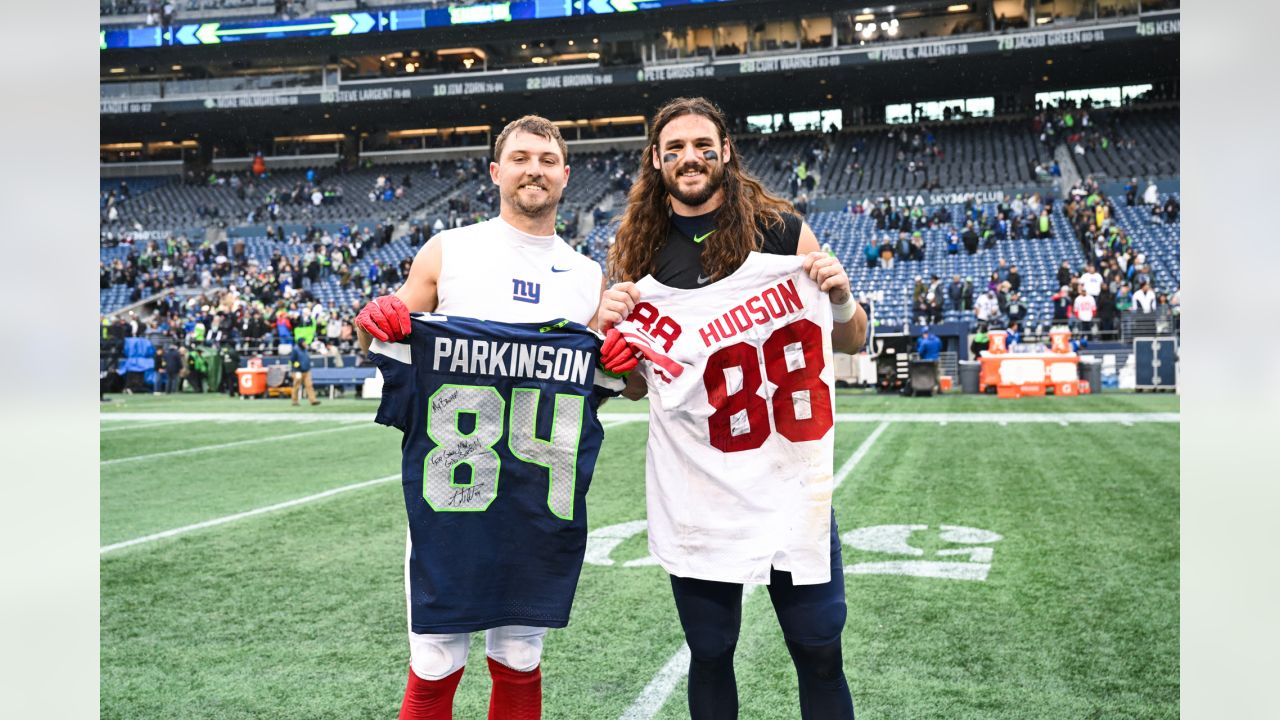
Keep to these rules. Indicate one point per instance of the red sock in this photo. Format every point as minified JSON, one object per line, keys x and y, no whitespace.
{"x":516,"y":695}
{"x":429,"y":699}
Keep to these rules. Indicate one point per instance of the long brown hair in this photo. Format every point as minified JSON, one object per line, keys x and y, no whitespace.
{"x":647,"y":219}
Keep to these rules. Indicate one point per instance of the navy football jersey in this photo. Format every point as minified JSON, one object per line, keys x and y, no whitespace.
{"x":500,"y":439}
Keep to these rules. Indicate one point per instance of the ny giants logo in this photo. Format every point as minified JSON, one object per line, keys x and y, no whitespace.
{"x":525,"y":290}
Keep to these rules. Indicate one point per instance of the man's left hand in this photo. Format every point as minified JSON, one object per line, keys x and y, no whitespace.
{"x":827,"y":271}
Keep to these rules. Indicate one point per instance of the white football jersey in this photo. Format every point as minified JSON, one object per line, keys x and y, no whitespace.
{"x":492,"y":271}
{"x":738,"y":470}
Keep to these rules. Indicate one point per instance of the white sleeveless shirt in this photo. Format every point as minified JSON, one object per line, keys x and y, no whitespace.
{"x":492,"y":271}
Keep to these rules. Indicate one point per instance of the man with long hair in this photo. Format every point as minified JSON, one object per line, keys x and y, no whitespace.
{"x":513,"y":268}
{"x":694,"y":217}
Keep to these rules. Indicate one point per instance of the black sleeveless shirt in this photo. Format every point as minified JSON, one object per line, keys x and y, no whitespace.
{"x":678,"y":263}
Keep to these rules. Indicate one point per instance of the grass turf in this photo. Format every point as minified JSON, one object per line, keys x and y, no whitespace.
{"x":300,"y":613}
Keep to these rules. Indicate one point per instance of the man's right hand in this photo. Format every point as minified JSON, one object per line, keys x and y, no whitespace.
{"x":386,"y":318}
{"x":616,"y":355}
{"x":615,"y":305}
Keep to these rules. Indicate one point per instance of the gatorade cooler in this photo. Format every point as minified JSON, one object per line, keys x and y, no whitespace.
{"x":1060,"y":340}
{"x":252,"y":381}
{"x":1063,"y":389}
{"x":999,"y":342}
{"x":1031,"y":390}
{"x":1007,"y":392}
{"x":944,"y":383}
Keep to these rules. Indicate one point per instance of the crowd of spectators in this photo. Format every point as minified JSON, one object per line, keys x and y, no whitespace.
{"x":1084,"y":128}
{"x":246,"y":306}
{"x":975,"y":231}
{"x":1117,"y":280}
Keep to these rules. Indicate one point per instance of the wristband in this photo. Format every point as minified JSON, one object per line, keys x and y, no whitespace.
{"x":844,"y":312}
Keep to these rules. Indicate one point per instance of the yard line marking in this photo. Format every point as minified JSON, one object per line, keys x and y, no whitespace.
{"x":655,"y":694}
{"x":222,"y":446}
{"x":858,"y":454}
{"x":144,"y":425}
{"x":616,"y":422}
{"x":246,"y":514}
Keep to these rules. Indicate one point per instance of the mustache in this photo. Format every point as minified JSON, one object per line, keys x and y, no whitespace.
{"x":692,"y":166}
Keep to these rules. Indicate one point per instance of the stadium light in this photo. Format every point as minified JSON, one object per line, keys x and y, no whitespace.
{"x":884,"y":25}
{"x":410,"y":67}
{"x":570,"y":43}
{"x":893,"y":30}
{"x":893,"y":22}
{"x":593,"y":56}
{"x":524,"y":46}
{"x":857,"y":28}
{"x":595,"y":41}
{"x":963,"y":7}
{"x":116,"y":71}
{"x":864,"y":17}
{"x":176,"y":68}
{"x":1043,"y":20}
{"x":538,"y":60}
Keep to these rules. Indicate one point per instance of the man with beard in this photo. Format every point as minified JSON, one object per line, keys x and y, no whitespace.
{"x":513,"y":268}
{"x":696,"y":219}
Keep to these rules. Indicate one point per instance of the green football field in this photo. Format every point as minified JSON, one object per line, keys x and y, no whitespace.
{"x":1004,"y":559}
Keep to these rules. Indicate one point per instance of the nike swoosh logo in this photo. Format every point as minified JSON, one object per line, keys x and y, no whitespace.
{"x":703,"y":280}
{"x":700,"y":238}
{"x":556,"y":269}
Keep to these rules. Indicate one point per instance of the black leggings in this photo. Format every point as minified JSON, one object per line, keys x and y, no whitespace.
{"x":811,"y":616}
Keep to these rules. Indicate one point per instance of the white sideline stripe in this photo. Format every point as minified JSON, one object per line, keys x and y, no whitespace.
{"x":145,"y":425}
{"x":221,"y":446}
{"x":307,"y":417}
{"x":655,"y":694}
{"x":246,"y":514}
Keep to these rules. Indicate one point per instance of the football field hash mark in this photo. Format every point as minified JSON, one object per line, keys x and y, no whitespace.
{"x":246,"y":514}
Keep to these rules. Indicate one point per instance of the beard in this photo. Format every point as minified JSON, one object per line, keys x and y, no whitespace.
{"x":696,"y":197}
{"x":534,"y":208}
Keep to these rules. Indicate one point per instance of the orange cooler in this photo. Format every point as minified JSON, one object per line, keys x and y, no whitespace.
{"x":252,"y":381}
{"x":1060,"y":341}
{"x":999,"y":342}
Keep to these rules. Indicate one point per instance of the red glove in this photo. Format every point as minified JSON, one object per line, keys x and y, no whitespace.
{"x":616,"y":355}
{"x":386,"y":318}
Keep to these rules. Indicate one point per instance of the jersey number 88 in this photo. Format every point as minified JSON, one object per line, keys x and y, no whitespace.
{"x":807,"y":378}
